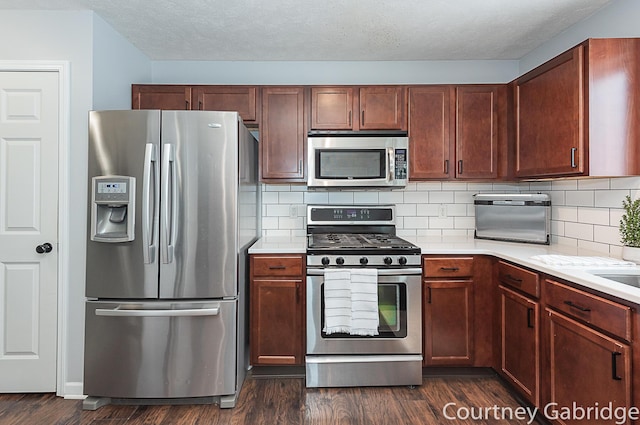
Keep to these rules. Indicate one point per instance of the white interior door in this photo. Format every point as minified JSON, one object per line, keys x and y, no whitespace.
{"x":28,"y":219}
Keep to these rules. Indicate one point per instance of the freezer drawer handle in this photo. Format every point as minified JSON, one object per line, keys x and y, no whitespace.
{"x":117,"y":312}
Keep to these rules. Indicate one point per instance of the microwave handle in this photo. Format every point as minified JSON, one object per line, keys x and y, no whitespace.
{"x":391,"y":163}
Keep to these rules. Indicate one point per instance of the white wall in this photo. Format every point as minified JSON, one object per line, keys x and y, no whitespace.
{"x":585,"y":212}
{"x":116,"y":63}
{"x":618,"y":19}
{"x":63,"y":36}
{"x":316,"y":73}
{"x":85,"y":42}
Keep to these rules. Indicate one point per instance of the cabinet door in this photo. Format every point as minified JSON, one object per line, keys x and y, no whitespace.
{"x":282,"y":133}
{"x":476,"y":132}
{"x":430,"y":132}
{"x":331,"y":108}
{"x":227,"y":98}
{"x":520,"y":345}
{"x":276,"y":322}
{"x":448,"y":322}
{"x":587,"y":368}
{"x":167,"y":97}
{"x":550,"y":120}
{"x":382,"y":108}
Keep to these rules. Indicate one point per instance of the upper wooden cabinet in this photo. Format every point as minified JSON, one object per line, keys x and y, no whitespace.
{"x":358,"y":108}
{"x":430,"y":118}
{"x":457,"y":132}
{"x":282,"y":134}
{"x":577,"y":113}
{"x":332,"y":108}
{"x":227,"y":98}
{"x":170,"y":97}
{"x":207,"y":98}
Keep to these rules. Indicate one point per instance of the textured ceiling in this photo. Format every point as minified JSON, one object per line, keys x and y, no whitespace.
{"x":283,"y":30}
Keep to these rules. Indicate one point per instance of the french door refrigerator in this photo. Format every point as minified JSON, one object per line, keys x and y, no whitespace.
{"x":174,"y":206}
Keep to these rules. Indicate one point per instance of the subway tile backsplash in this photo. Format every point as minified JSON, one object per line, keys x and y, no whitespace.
{"x":585,"y":212}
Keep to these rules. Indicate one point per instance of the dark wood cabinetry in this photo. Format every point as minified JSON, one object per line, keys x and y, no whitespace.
{"x":587,"y":368}
{"x":519,"y":340}
{"x":228,"y":98}
{"x":283,"y":134}
{"x":577,"y":113}
{"x":277,"y":310}
{"x":430,"y":118}
{"x":332,"y":108}
{"x":241,"y":99}
{"x":358,"y":108}
{"x":160,"y":96}
{"x":457,"y":132}
{"x":448,"y":308}
{"x":520,"y":329}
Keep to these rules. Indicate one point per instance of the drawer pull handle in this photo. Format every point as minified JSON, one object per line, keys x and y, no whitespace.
{"x":614,"y":366}
{"x":277,"y":267}
{"x":513,"y":279}
{"x":530,"y":323}
{"x":449,"y":269}
{"x":577,"y":307}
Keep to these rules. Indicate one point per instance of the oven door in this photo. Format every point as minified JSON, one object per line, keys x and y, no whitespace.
{"x":400,"y":310}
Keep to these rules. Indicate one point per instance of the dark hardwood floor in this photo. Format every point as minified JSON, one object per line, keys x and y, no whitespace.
{"x":283,"y":401}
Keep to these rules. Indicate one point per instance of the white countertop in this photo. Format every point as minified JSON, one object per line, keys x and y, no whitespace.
{"x":518,"y":253}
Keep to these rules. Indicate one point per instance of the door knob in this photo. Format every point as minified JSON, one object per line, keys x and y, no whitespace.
{"x":44,"y":248}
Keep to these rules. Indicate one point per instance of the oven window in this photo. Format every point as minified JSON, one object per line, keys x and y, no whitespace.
{"x":350,"y":164}
{"x":392,"y":312}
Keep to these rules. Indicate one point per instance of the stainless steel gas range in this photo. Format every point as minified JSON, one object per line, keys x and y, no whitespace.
{"x":347,"y":243}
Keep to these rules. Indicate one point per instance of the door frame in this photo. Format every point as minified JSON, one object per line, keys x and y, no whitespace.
{"x":64,"y":123}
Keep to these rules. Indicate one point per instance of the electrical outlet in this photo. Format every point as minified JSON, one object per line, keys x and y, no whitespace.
{"x":442,"y":211}
{"x":293,"y":211}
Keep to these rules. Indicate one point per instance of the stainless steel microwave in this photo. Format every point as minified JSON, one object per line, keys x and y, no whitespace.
{"x":356,"y":161}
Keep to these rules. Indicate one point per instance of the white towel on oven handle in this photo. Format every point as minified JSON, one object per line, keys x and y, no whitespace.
{"x":337,"y":301}
{"x":364,"y":302}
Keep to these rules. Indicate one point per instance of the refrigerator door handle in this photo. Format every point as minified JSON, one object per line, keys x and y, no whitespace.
{"x":149,"y":211}
{"x":169,"y":204}
{"x":190,"y":312}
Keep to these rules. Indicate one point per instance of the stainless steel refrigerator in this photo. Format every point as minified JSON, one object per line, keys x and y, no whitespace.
{"x":174,"y":206}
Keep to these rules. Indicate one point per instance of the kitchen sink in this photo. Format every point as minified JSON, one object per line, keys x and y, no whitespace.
{"x":626,"y":278}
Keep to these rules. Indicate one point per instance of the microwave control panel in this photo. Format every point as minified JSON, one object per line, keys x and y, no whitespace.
{"x":401,"y":164}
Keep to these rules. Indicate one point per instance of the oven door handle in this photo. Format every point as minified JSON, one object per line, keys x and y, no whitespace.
{"x":381,"y":272}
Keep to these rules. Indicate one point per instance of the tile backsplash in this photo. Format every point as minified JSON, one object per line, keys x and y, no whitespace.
{"x":584,"y":212}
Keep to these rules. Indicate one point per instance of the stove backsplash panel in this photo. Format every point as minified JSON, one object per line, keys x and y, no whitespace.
{"x":585,"y":212}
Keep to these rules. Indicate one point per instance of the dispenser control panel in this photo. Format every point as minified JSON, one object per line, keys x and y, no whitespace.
{"x":113,"y":209}
{"x":112,"y":189}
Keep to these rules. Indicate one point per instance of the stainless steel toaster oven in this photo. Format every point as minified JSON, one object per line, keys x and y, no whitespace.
{"x":516,"y":217}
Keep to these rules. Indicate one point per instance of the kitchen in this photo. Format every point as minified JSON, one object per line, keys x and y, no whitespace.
{"x":104,"y":65}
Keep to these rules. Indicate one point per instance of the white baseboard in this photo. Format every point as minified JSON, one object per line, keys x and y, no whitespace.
{"x":73,"y":391}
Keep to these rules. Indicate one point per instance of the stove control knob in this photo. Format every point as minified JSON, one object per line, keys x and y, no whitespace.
{"x":339,"y":261}
{"x":364,"y":261}
{"x":402,"y":261}
{"x":388,"y":260}
{"x":325,"y":261}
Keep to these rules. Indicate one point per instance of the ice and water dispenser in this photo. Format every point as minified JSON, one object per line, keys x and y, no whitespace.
{"x":113,"y":208}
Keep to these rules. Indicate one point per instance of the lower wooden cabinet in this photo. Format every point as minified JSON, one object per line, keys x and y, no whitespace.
{"x":277,"y":316}
{"x":520,"y":342}
{"x":448,"y":322}
{"x":587,"y":368}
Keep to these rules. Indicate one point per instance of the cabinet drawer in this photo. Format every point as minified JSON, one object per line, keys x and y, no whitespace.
{"x":277,"y":265}
{"x":519,"y":278}
{"x":597,"y":311}
{"x":447,"y":266}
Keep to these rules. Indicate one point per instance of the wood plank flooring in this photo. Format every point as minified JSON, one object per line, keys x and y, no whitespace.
{"x":282,"y":401}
